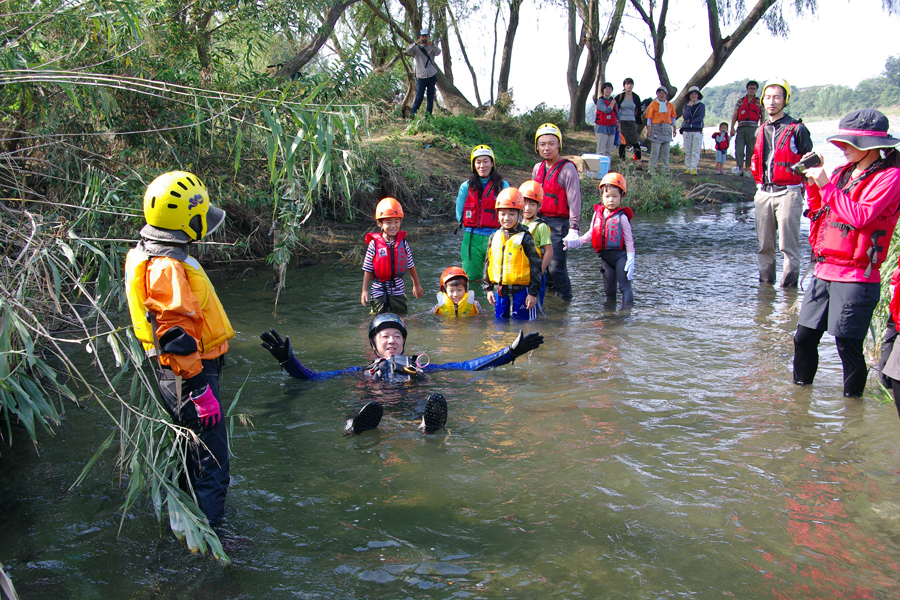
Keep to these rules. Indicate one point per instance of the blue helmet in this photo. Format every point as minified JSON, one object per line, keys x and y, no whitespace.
{"x":386,"y":321}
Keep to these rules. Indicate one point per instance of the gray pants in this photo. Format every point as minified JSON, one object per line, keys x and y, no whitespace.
{"x":606,"y":142}
{"x":659,"y":153}
{"x":744,"y":143}
{"x":779,"y":211}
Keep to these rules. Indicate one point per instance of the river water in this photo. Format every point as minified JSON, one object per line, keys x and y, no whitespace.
{"x":660,"y":452}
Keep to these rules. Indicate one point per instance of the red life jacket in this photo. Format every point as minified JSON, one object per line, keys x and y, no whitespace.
{"x":839,"y":243}
{"x":390,"y":259}
{"x":480,"y":211}
{"x":606,"y":230}
{"x":783,"y":159}
{"x":750,"y":112}
{"x":722,"y":144}
{"x":610,"y":118}
{"x":555,"y":203}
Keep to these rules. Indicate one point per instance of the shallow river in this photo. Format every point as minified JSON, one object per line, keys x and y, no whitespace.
{"x":656,"y":453}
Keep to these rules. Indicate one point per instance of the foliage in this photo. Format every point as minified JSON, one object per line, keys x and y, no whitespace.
{"x":646,"y":192}
{"x":892,"y":70}
{"x":468,"y":132}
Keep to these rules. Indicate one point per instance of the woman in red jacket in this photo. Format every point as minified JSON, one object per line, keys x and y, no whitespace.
{"x":852,"y":214}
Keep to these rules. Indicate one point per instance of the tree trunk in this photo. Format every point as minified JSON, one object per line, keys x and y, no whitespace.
{"x":506,"y":59}
{"x":441,"y":27}
{"x":494,"y":52}
{"x":609,"y":41}
{"x":462,"y":48}
{"x":579,"y":91}
{"x":309,"y":52}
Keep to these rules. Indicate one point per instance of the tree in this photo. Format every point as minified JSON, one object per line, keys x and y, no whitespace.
{"x":299,"y":60}
{"x":506,"y":58}
{"x":892,"y":69}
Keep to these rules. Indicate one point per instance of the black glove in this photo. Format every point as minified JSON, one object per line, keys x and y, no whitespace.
{"x":524,"y":344}
{"x":280,"y":348}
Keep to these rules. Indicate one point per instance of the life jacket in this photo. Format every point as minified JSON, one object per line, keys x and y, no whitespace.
{"x":839,"y":243}
{"x":610,"y":118}
{"x":606,"y":232}
{"x":216,"y":328}
{"x":396,"y":368}
{"x":390,"y":259}
{"x":748,"y":111}
{"x":479,"y":211}
{"x":508,"y":264}
{"x":555,"y":203}
{"x":783,"y":157}
{"x":465,"y":308}
{"x":722,"y":144}
{"x":531,"y":227}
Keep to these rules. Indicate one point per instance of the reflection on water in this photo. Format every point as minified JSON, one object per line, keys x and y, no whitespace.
{"x":656,"y":452}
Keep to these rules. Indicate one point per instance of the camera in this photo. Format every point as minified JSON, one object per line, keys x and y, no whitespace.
{"x":807,"y":162}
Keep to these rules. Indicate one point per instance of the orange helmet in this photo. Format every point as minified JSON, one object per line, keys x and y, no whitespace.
{"x":510,"y":198}
{"x":451,"y":273}
{"x":388,"y":208}
{"x":613,"y":179}
{"x":532,"y":190}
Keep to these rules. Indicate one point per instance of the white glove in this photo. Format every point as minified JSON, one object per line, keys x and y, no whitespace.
{"x":629,"y":265}
{"x":572,"y":240}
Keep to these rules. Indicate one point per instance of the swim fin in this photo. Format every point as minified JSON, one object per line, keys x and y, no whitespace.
{"x":435,"y":416}
{"x":368,"y":418}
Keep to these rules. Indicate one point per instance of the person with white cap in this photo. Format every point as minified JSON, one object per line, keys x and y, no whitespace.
{"x":424,"y":51}
{"x":852,"y":215}
{"x":660,"y":117}
{"x":692,"y":129}
{"x":780,"y":143}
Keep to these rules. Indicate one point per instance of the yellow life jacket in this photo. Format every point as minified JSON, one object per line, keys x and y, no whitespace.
{"x":508,"y":263}
{"x":216,"y":328}
{"x":465,"y":308}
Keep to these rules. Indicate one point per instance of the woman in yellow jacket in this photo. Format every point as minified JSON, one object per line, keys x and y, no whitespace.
{"x":660,"y":118}
{"x":180,"y":321}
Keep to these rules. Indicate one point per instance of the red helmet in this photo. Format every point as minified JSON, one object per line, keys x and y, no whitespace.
{"x":388,"y":208}
{"x":532,"y":190}
{"x":510,"y":198}
{"x":613,"y":179}
{"x":451,"y":273}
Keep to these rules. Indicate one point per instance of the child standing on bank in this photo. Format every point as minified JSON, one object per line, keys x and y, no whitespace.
{"x":611,"y":237}
{"x":388,"y":258}
{"x":455,"y":298}
{"x":533,"y":196}
{"x":512,"y":268}
{"x":722,"y":140}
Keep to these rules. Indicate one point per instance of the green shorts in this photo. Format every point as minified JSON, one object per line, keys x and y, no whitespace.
{"x":473,"y":251}
{"x":391,"y":304}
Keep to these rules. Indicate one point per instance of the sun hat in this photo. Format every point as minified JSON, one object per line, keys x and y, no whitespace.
{"x":423,"y":32}
{"x":663,"y":88}
{"x":694,"y":88}
{"x":864,"y":129}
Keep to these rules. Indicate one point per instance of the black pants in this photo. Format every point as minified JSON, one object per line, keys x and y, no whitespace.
{"x":208,"y":462}
{"x":557,"y":273}
{"x":806,"y":359}
{"x":887,"y":346}
{"x":423,"y":86}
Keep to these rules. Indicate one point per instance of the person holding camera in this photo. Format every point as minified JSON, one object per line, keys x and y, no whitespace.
{"x":852,"y":216}
{"x":423,"y":51}
{"x":780,"y":142}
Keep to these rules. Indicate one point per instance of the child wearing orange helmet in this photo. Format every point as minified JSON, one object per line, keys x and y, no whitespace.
{"x":455,"y":298}
{"x":388,"y":258}
{"x":610,"y":235}
{"x":533,"y":196}
{"x":512,"y":268}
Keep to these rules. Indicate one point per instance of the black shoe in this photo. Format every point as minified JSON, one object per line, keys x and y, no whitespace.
{"x":802,"y":383}
{"x":368,"y":418}
{"x":435,"y":416}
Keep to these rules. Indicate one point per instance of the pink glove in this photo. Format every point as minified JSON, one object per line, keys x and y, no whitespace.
{"x":207,"y":408}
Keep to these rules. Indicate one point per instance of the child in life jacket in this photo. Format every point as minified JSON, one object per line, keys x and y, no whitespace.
{"x":533,"y":196}
{"x":512,"y":268}
{"x":610,"y":235}
{"x":180,"y":322}
{"x":388,"y":258}
{"x":721,"y":140}
{"x":455,"y":298}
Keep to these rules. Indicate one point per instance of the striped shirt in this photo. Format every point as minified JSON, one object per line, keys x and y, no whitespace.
{"x":393,"y":287}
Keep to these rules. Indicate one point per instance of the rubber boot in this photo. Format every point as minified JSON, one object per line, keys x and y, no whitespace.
{"x":806,"y":354}
{"x":855,"y":370}
{"x":368,"y":418}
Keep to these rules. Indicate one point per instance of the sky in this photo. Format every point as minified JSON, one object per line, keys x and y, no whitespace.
{"x":820,"y":49}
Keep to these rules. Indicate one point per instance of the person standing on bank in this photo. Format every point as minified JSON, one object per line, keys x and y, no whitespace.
{"x":629,"y":116}
{"x":748,"y":115}
{"x":692,"y":129}
{"x":606,"y":122}
{"x":780,"y":143}
{"x":475,"y":209}
{"x":660,"y":118}
{"x":424,"y":51}
{"x":852,"y":219}
{"x":561,"y":208}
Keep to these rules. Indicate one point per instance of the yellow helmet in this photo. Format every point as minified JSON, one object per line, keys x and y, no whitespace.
{"x":481,"y":150}
{"x":781,"y":82}
{"x":178,"y":201}
{"x":544,"y":130}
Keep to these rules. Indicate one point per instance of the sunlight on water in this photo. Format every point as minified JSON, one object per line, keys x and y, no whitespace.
{"x":654,"y":453}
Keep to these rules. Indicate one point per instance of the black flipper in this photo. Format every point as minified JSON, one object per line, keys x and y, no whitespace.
{"x":435,"y":416}
{"x":368,"y":418}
